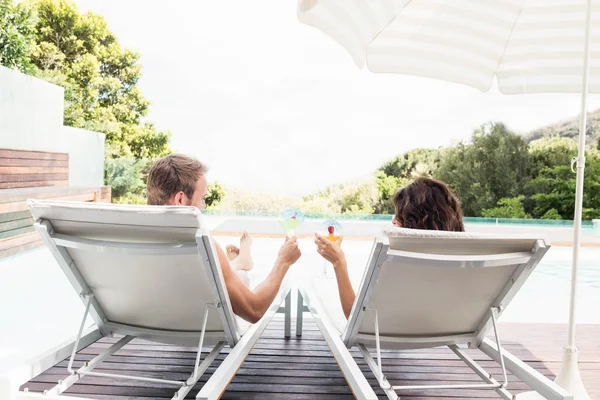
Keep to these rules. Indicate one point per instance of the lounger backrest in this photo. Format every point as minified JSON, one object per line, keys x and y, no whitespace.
{"x":428,"y":286}
{"x":150,"y":269}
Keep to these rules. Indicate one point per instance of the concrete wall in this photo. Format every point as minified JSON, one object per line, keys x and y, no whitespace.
{"x":31,"y":118}
{"x":86,"y":156}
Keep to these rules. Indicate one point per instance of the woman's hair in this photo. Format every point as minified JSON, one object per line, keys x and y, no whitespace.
{"x":429,"y":205}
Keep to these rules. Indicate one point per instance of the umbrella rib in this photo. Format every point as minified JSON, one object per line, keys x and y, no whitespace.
{"x":509,"y":37}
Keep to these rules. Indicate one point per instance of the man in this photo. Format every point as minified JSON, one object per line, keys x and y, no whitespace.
{"x":179,"y":180}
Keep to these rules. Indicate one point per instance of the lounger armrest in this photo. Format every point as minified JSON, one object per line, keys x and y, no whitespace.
{"x":359,"y":385}
{"x":220,"y":379}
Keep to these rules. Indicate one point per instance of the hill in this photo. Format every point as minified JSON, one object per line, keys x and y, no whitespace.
{"x":570,"y":128}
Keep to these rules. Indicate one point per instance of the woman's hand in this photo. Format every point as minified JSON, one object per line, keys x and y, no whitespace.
{"x":332,"y":252}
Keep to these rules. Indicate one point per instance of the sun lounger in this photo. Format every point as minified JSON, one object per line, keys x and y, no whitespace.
{"x":425,"y":289}
{"x":152,"y":273}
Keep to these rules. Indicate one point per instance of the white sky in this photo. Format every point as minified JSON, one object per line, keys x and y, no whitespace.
{"x":276,"y":106}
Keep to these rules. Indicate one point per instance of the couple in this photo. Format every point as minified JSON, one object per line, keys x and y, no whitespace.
{"x":179,"y":180}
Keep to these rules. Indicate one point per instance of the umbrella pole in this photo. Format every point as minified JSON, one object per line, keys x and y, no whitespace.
{"x":569,"y":377}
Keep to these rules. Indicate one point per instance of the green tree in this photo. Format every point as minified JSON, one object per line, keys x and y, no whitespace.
{"x":354,"y":198}
{"x":126,"y":176}
{"x":398,"y":172}
{"x":17,"y":34}
{"x":413,"y":163}
{"x":358,"y":198}
{"x":387,"y":186}
{"x":495,"y":165}
{"x":100,"y":78}
{"x":319,"y":205}
{"x":551,"y":214}
{"x":550,"y":152}
{"x":215,"y":195}
{"x":507,"y":208}
{"x":554,"y":188}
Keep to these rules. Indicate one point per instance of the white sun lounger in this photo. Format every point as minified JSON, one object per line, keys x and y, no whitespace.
{"x":424,"y":289}
{"x":147,"y":272}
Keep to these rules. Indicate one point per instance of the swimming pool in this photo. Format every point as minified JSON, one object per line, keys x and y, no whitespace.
{"x":557,"y":263}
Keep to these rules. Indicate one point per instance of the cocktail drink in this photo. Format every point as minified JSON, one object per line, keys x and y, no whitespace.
{"x":290,"y":225}
{"x":333,"y":235}
{"x":291,"y":220}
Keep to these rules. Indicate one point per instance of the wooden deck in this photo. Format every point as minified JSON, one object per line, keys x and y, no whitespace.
{"x":304,"y":368}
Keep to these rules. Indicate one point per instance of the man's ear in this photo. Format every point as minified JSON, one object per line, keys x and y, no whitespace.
{"x":179,"y":199}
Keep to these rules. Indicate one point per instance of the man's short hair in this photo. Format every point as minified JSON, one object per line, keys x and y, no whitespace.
{"x":173,"y":174}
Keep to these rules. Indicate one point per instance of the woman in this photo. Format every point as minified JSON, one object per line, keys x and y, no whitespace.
{"x":423,"y":204}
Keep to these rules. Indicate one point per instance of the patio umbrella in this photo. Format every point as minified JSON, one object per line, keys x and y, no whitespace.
{"x":528,"y":46}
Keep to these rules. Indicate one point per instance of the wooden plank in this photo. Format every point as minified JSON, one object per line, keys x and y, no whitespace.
{"x":33,"y":155}
{"x":322,"y":381}
{"x":19,"y":249}
{"x":440,"y":354}
{"x":19,"y":240}
{"x":34,"y":177}
{"x":298,"y":368}
{"x":108,"y":397}
{"x":284,"y":396}
{"x":106,"y":194}
{"x":33,"y":170}
{"x":16,"y":232}
{"x":14,"y":216}
{"x":302,"y":345}
{"x":21,"y":205}
{"x":13,"y":185}
{"x":285,"y":368}
{"x":21,"y":194}
{"x":24,"y":162}
{"x":465,"y":375}
{"x":15,"y":224}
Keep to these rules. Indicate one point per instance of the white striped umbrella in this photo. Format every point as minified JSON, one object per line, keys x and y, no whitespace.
{"x":528,"y":46}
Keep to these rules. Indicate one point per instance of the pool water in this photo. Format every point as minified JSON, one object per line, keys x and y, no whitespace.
{"x":558,"y":260}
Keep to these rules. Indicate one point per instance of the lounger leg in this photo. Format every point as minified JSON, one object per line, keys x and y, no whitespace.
{"x":75,"y":375}
{"x":87,"y":368}
{"x":288,"y":315}
{"x":530,"y":376}
{"x":483,"y":374}
{"x":220,"y":379}
{"x":199,"y":371}
{"x":376,"y":370}
{"x":390,"y":390}
{"x":376,"y":367}
{"x":299,"y":314}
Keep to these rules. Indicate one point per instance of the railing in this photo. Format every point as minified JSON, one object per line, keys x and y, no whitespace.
{"x":387,"y":218}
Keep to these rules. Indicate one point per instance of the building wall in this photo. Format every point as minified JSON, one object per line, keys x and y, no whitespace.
{"x":31,"y":118}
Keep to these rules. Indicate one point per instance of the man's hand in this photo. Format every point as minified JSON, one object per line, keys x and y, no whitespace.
{"x":251,"y":305}
{"x":289,"y":253}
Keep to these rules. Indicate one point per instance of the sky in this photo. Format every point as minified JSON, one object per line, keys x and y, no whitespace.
{"x":275,"y":106}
